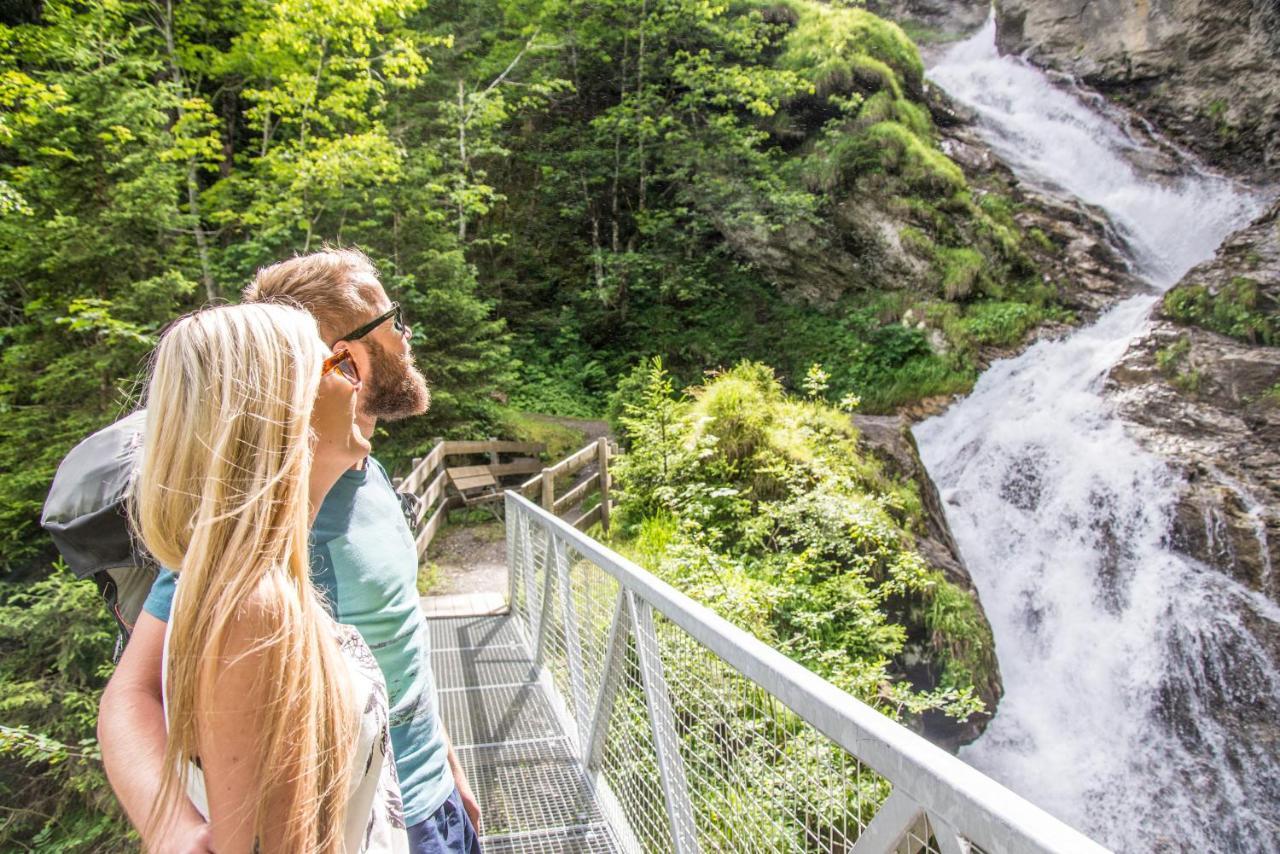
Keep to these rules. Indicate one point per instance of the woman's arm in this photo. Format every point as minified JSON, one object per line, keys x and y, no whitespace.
{"x":231,"y":740}
{"x":132,"y":734}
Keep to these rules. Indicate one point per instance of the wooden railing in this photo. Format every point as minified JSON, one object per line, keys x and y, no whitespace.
{"x":428,"y":477}
{"x":543,"y":485}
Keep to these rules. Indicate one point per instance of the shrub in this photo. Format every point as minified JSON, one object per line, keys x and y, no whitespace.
{"x":761,"y":506}
{"x":1238,"y":309}
{"x":56,"y":644}
{"x":1002,"y":324}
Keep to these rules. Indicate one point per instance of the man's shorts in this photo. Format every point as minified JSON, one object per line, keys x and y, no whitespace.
{"x":447,"y":831}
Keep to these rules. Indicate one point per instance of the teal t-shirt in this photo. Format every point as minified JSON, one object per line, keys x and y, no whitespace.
{"x":365,"y":562}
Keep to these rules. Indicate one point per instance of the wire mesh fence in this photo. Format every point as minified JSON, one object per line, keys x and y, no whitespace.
{"x":697,"y":738}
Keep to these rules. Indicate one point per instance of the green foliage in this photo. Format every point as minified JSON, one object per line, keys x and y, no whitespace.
{"x":153,"y":155}
{"x":839,"y":48}
{"x":1168,"y":359}
{"x":560,"y":439}
{"x":761,"y":506}
{"x":1238,"y":309}
{"x":428,"y":577}
{"x":816,"y":381}
{"x":960,"y":271}
{"x":56,"y":642}
{"x":1171,"y":361}
{"x":1002,"y":324}
{"x":959,"y":633}
{"x":563,"y":378}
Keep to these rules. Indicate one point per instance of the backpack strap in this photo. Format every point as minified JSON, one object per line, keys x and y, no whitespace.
{"x":111,"y":595}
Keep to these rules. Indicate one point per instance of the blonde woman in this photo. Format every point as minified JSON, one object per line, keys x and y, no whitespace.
{"x":277,"y":715}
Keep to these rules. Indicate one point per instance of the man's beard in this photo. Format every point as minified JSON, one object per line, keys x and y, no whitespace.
{"x":396,"y":388}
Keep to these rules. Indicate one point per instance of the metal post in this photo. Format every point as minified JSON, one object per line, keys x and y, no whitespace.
{"x":949,"y":841}
{"x":610,"y":678}
{"x":675,"y":786}
{"x":890,"y":824}
{"x":493,"y":454}
{"x":572,"y":641}
{"x":602,"y":457}
{"x":548,"y":594}
{"x":511,"y":526}
{"x":527,"y":570}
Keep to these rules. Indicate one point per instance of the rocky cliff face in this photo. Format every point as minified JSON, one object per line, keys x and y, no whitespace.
{"x":888,"y":438}
{"x":861,"y":246}
{"x":1198,"y":391}
{"x":943,"y":18}
{"x":1079,"y":254}
{"x":1205,"y":72}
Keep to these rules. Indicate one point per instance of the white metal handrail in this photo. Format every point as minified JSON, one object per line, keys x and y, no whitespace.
{"x":650,"y":683}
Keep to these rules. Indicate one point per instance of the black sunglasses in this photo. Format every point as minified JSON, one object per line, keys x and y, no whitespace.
{"x":394,"y":311}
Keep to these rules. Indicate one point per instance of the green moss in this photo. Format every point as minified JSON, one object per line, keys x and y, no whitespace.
{"x":1188,"y":381}
{"x":960,"y":636}
{"x":883,"y":106}
{"x":1170,"y":361}
{"x":837,"y":48}
{"x":1239,"y":310}
{"x":895,"y":149}
{"x":960,"y":270}
{"x":1042,"y":240}
{"x":999,"y":207}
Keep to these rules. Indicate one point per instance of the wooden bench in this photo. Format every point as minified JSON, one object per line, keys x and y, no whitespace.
{"x":476,"y":486}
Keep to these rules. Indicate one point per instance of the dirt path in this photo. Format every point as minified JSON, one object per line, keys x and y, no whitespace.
{"x":469,"y":559}
{"x":472,"y":558}
{"x":592,"y":428}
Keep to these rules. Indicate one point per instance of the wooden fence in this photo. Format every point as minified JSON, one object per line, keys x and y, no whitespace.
{"x":428,"y":478}
{"x":544,"y":485}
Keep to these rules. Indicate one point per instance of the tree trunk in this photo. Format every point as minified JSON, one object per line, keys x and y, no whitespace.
{"x":462,"y":161}
{"x":193,"y":183}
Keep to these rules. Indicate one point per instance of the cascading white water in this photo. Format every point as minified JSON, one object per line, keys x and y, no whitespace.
{"x":1135,"y":691}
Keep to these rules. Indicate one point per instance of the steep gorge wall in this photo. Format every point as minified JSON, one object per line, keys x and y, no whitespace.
{"x":1204,"y":72}
{"x":1202,"y":387}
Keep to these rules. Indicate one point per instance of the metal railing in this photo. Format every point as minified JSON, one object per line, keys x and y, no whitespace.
{"x":698,"y":737}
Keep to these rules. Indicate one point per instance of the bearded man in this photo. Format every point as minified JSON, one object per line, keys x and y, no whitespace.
{"x":365,"y":562}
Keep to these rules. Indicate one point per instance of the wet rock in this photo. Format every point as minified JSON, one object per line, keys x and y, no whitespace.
{"x":948,"y":19}
{"x":1072,"y":244}
{"x":1205,"y":72}
{"x":889,"y":439}
{"x":1210,"y":404}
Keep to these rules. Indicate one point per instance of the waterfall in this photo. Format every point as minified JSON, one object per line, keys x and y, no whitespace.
{"x":1140,"y":704}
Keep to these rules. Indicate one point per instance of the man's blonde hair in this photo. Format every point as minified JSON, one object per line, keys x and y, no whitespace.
{"x":222,"y":498}
{"x":327,"y":283}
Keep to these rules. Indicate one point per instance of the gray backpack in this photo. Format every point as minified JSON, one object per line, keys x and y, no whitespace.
{"x":86,"y":513}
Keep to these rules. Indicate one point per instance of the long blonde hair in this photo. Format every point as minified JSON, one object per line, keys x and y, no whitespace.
{"x":222,"y":498}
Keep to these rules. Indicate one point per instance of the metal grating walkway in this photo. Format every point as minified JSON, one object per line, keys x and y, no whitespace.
{"x":533,"y":793}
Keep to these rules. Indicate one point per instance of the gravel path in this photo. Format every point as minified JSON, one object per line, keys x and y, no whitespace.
{"x":471,"y":559}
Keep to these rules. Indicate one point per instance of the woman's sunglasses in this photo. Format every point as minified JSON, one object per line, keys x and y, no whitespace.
{"x":342,"y":362}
